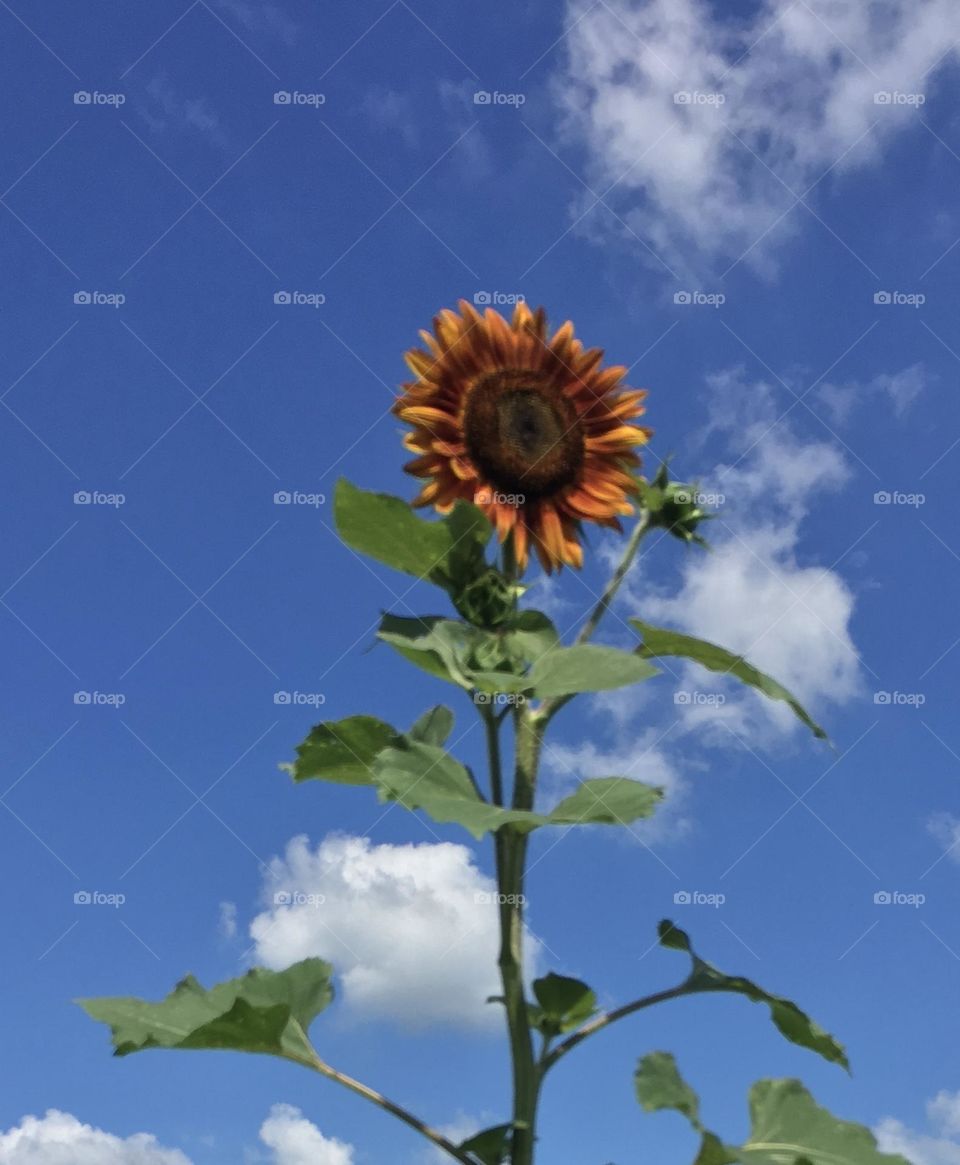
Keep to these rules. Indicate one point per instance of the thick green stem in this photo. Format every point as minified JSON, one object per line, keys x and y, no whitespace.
{"x":511,"y":850}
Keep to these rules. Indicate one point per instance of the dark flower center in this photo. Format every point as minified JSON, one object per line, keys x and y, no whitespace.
{"x":522,"y":434}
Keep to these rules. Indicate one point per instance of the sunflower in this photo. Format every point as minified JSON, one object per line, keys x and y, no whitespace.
{"x":531,"y":429}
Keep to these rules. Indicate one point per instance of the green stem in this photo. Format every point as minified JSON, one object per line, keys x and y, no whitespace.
{"x":491,"y":724}
{"x":390,"y":1106}
{"x":511,"y":850}
{"x":607,"y":1019}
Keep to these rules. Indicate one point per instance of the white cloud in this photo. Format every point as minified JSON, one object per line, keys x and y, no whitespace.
{"x":296,"y":1141}
{"x":168,"y":107}
{"x":60,"y":1139}
{"x":939,"y":1148}
{"x":896,"y":391}
{"x":228,"y":919}
{"x":402,"y":925}
{"x":946,"y":829}
{"x":262,"y":18}
{"x":703,"y":181}
{"x":752,"y":593}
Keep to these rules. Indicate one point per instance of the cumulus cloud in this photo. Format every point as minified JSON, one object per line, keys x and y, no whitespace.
{"x":945,"y":827}
{"x":267,"y":19}
{"x":712,"y":126}
{"x":940,"y":1147}
{"x":58,"y":1138}
{"x":293,"y":1140}
{"x":412,"y":930}
{"x":895,"y":391}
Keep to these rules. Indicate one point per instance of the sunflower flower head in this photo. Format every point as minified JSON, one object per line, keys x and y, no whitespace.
{"x":529,"y":427}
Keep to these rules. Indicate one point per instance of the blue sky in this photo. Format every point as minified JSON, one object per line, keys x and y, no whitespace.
{"x":753,"y":207}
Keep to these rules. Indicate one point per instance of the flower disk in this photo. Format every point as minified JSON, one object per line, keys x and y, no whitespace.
{"x":530,"y":429}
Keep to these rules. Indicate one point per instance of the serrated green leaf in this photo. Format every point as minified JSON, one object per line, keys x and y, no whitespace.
{"x":659,"y":1085}
{"x":792,"y":1023}
{"x":422,"y":776}
{"x":437,"y":645}
{"x":263,"y":1011}
{"x":342,"y":751}
{"x":788,"y":1127}
{"x":565,"y":671}
{"x":490,"y":1146}
{"x":607,"y":801}
{"x":659,"y":641}
{"x":434,"y":726}
{"x":387,"y":529}
{"x":564,"y":1003}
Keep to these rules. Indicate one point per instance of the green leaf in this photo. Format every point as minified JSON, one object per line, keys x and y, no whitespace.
{"x":342,"y":750}
{"x":531,"y":635}
{"x":794,"y":1024}
{"x":658,"y":642}
{"x":434,"y":726}
{"x":659,"y":1085}
{"x":566,"y":671}
{"x":491,"y":1146}
{"x":263,"y":1011}
{"x":564,"y":1003}
{"x":433,"y":643}
{"x":607,"y":801}
{"x":387,"y":529}
{"x":423,"y":776}
{"x":787,"y":1126}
